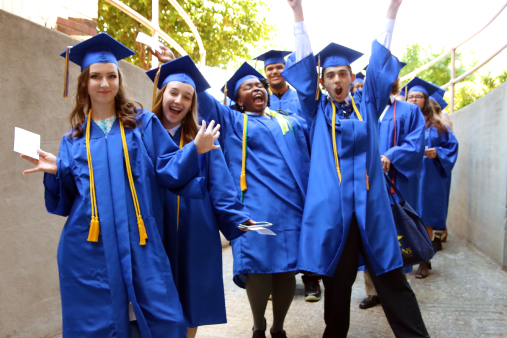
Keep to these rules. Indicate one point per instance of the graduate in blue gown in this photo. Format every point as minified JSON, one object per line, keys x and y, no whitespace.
{"x":347,"y":210}
{"x":358,"y":82}
{"x":439,"y":159}
{"x":191,"y":236}
{"x":108,"y":179}
{"x":283,"y":97}
{"x":267,"y":155}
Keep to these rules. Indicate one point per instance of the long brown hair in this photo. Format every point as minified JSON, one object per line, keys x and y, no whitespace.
{"x":125,"y":107}
{"x":432,"y":113}
{"x":189,"y":124}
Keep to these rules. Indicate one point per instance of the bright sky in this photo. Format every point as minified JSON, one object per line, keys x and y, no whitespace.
{"x":439,"y":23}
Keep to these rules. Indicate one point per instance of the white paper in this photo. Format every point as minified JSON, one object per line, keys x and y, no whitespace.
{"x":26,"y":142}
{"x":264,"y":231}
{"x":148,"y":40}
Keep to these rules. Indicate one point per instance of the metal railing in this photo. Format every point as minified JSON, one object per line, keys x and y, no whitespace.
{"x":156,"y":31}
{"x":452,"y":51}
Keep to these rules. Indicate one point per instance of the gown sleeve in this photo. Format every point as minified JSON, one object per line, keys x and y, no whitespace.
{"x":228,"y":210}
{"x":176,"y":169}
{"x":407,"y":157}
{"x":448,"y":152}
{"x":60,"y":189}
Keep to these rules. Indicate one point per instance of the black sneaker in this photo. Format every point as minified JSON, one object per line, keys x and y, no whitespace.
{"x":437,"y":242}
{"x":369,"y":302}
{"x":312,"y":290}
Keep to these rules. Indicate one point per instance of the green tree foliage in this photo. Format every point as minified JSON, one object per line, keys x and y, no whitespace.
{"x":228,"y":28}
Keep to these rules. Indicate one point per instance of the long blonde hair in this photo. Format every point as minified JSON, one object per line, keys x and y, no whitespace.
{"x":125,"y":107}
{"x":189,"y":124}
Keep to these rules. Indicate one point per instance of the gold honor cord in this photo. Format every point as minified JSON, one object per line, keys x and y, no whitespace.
{"x":93,"y":235}
{"x":242,"y":178}
{"x":178,"y":198}
{"x":335,"y":152}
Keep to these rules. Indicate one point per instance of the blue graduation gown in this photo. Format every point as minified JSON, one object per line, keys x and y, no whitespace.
{"x":276,"y":172}
{"x":195,"y":248}
{"x":289,"y":102}
{"x":98,"y":280}
{"x":435,"y":178}
{"x":406,"y":157}
{"x":330,"y":205}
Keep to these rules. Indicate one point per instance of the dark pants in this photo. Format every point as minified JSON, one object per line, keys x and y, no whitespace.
{"x":396,"y":295}
{"x":134,"y":330}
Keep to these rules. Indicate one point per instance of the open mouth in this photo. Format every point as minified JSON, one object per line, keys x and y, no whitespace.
{"x":338,"y":91}
{"x":258,"y":98}
{"x":174,"y":110}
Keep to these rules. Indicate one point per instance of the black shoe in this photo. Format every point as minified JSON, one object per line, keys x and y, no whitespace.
{"x":369,"y":302}
{"x":312,"y":290}
{"x":259,"y":333}
{"x":437,"y":242}
{"x":279,"y":334}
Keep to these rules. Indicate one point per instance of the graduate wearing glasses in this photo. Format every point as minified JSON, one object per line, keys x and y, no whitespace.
{"x":108,"y":179}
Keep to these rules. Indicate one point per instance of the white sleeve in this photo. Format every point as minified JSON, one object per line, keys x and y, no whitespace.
{"x":385,"y":38}
{"x":303,"y":45}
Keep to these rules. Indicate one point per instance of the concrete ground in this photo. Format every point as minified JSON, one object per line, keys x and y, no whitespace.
{"x":464,"y":296}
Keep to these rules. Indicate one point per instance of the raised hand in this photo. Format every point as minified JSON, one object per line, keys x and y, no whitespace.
{"x":392,"y":10}
{"x":297,"y":9}
{"x":46,"y":163}
{"x":294,"y":3}
{"x":166,"y":55}
{"x":205,"y":139}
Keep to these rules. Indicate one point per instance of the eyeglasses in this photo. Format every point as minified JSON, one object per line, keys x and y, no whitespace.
{"x":416,"y":97}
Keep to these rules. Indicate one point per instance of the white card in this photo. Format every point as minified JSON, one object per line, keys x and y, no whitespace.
{"x":26,"y":142}
{"x":265,"y":231}
{"x":148,"y":40}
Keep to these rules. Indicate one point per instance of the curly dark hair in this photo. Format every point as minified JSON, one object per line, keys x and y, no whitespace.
{"x":265,"y":83}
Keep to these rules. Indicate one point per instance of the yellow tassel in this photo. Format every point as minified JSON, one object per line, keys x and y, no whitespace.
{"x":242,"y":180}
{"x":367,"y":182}
{"x":155,"y":86}
{"x":225,"y":94}
{"x":317,"y":94}
{"x":66,"y":73}
{"x":143,"y":236}
{"x":93,"y":235}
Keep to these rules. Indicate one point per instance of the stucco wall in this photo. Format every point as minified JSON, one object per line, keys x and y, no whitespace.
{"x":31,"y":80}
{"x":477,"y":209}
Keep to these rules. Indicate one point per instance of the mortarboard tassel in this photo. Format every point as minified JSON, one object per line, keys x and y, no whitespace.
{"x":318,"y":74}
{"x":225,"y":94}
{"x":242,"y":177}
{"x":155,"y":82}
{"x":66,"y":73}
{"x":406,"y":93}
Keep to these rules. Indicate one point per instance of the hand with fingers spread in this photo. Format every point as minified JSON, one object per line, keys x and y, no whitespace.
{"x":249,"y":222}
{"x":46,"y":163}
{"x":205,"y":139}
{"x":166,"y":55}
{"x":386,"y":163}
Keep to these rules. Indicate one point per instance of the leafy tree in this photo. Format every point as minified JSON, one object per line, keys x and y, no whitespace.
{"x":228,"y":28}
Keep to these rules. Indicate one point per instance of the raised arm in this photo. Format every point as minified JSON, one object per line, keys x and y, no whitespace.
{"x":211,"y":109}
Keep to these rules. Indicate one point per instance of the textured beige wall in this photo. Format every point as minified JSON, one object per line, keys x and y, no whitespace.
{"x":31,"y":80}
{"x":477,"y":209}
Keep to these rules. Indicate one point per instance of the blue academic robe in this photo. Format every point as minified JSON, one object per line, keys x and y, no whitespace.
{"x":99,"y":279}
{"x":330,"y":205}
{"x":435,"y":178}
{"x":276,"y":173}
{"x":406,"y":157}
{"x":289,"y":102}
{"x":194,"y":247}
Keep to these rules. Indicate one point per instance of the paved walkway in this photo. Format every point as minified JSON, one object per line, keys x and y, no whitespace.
{"x":464,"y":296}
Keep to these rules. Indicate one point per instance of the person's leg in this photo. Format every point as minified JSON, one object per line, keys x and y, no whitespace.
{"x":134,"y":329}
{"x":191,"y":332}
{"x":338,"y":289}
{"x":398,"y":300}
{"x":371,"y":299}
{"x":258,"y":289}
{"x":284,"y":287}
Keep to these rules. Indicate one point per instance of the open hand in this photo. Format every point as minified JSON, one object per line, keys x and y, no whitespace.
{"x":46,"y":163}
{"x":205,"y":139}
{"x":249,"y":222}
{"x":431,"y":153}
{"x":386,"y":163}
{"x":166,"y":55}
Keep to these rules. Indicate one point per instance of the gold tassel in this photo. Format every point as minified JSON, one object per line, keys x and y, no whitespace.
{"x":225,"y":94}
{"x":155,"y":86}
{"x":406,"y":93}
{"x":367,"y":181}
{"x":93,"y":235}
{"x":242,"y":180}
{"x":143,"y":236}
{"x":318,"y":89}
{"x":66,"y":73}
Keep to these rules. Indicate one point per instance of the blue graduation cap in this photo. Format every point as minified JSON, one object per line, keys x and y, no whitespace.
{"x":334,"y":55}
{"x":438,"y":96}
{"x":245,"y":72}
{"x":182,"y":69}
{"x":273,"y":56}
{"x":359,"y":78}
{"x":100,"y":48}
{"x":419,"y":85}
{"x":402,"y":64}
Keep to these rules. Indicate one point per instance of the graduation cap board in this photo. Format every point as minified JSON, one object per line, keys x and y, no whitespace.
{"x":359,"y":78}
{"x":438,"y":96}
{"x":419,"y":85}
{"x":100,"y":48}
{"x":273,"y":56}
{"x":245,"y":72}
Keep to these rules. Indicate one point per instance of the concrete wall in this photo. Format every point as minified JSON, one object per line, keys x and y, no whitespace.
{"x":477,"y":210}
{"x":31,"y":80}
